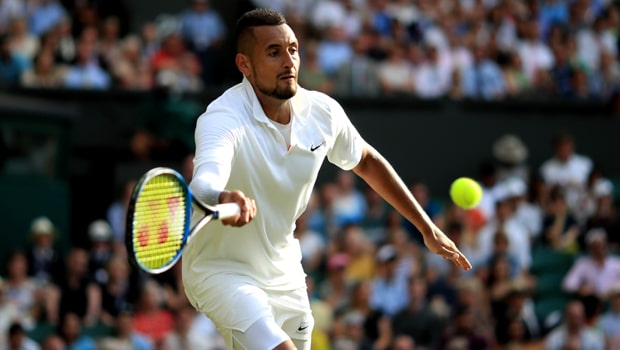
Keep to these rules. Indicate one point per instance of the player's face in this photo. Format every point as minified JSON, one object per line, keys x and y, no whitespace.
{"x":275,"y":61}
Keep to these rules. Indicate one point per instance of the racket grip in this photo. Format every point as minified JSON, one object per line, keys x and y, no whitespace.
{"x":227,"y":210}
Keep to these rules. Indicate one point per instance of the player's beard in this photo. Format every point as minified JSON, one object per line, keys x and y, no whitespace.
{"x":278,"y":92}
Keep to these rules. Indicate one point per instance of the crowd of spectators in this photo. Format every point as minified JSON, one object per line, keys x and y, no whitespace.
{"x":475,"y":49}
{"x":372,"y":283}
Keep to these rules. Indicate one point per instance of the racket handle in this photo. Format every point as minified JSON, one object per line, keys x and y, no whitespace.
{"x":227,"y":210}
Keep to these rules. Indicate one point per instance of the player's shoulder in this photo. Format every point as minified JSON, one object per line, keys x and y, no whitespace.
{"x":229,"y":105}
{"x":320,"y":101}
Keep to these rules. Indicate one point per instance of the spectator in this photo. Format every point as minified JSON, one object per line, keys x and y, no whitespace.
{"x":152,"y":319}
{"x":605,"y":215}
{"x":374,"y":222}
{"x":560,"y":227}
{"x":182,"y":337}
{"x":116,"y":213}
{"x":594,"y":41}
{"x":432,"y":207}
{"x":130,"y":70}
{"x":396,"y":73}
{"x":87,"y":72}
{"x":44,"y":261}
{"x":329,"y":13}
{"x":595,"y":273}
{"x":22,"y":43}
{"x":109,"y":44}
{"x":517,"y":234}
{"x":202,"y":27}
{"x":150,"y":39}
{"x":64,"y":45}
{"x":358,"y":76}
{"x":517,"y":306}
{"x":484,"y":79}
{"x":432,"y":79}
{"x":175,"y":67}
{"x":471,"y":294}
{"x":534,"y":53}
{"x":124,"y":337}
{"x":403,"y":342}
{"x":442,"y":276}
{"x":335,"y":290}
{"x":562,"y":71}
{"x":609,"y":322}
{"x":567,"y":168}
{"x":76,"y":292}
{"x":45,"y":73}
{"x":312,"y":76}
{"x":334,"y":50}
{"x":10,"y":9}
{"x":360,"y":253}
{"x":573,"y":333}
{"x":349,"y":203}
{"x":462,"y":333}
{"x":12,"y":65}
{"x":119,"y":292}
{"x":389,"y":288}
{"x":45,"y":15}
{"x":417,"y":319}
{"x":53,"y":342}
{"x":361,"y":305}
{"x":70,"y":330}
{"x":21,"y":291}
{"x":100,"y":250}
{"x":517,"y":83}
{"x":18,"y":340}
{"x":607,"y":78}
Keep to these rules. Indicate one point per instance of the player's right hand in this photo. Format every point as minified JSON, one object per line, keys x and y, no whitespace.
{"x":246,"y":204}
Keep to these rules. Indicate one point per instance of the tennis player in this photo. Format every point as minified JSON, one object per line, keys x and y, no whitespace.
{"x":261,"y":144}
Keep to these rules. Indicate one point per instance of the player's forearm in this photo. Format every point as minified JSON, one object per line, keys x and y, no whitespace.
{"x":381,"y":176}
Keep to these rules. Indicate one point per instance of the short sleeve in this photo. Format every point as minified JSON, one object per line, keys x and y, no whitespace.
{"x":346,"y":150}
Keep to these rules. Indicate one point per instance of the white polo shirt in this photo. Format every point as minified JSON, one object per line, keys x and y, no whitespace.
{"x":235,"y":134}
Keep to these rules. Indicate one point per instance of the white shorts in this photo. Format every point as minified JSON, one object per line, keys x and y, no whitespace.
{"x":234,"y":303}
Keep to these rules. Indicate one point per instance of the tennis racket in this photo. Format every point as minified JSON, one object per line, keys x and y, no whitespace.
{"x":159,"y":219}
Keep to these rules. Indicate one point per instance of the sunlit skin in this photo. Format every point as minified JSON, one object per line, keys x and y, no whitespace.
{"x":271,"y":65}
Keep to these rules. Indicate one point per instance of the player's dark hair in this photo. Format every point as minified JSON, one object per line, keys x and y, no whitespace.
{"x":255,"y":18}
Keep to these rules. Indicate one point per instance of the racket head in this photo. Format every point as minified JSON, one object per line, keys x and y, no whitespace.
{"x":158,"y":220}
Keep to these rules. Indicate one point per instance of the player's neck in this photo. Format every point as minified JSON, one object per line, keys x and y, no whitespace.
{"x":277,"y":110}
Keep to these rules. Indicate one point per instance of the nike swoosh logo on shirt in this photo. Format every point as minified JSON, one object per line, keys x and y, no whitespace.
{"x":314,"y":148}
{"x":302,"y":328}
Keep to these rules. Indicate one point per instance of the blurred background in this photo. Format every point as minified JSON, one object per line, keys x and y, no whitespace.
{"x":522,"y":95}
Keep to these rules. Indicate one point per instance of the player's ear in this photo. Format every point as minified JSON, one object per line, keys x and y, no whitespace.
{"x":243,"y":64}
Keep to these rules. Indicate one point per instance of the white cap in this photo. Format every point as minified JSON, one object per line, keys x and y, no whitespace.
{"x":42,"y":226}
{"x":99,"y":231}
{"x":603,"y":188}
{"x":516,"y":187}
{"x":510,"y":149}
{"x":386,"y":253}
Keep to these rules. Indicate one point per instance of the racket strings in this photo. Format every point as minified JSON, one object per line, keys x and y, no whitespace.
{"x":159,"y":222}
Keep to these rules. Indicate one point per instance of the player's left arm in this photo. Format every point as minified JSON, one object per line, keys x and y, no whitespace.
{"x":381,"y":176}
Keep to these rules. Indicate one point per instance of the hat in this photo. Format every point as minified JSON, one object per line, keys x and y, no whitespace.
{"x":510,"y":149}
{"x":99,"y":231}
{"x":386,"y":253}
{"x":516,"y":187}
{"x":603,"y":188}
{"x":338,"y":261}
{"x":42,"y":226}
{"x":596,"y":234}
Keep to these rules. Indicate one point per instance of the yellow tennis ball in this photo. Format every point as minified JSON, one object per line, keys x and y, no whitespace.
{"x":465,"y":192}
